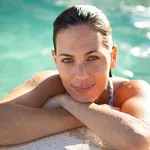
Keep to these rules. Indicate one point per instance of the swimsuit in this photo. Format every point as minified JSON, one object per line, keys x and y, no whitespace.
{"x":111,"y":92}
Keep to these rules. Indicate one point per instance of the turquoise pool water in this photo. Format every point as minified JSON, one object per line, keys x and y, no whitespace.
{"x":26,"y":37}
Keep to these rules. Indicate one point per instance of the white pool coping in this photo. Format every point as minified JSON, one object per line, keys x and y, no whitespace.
{"x":77,"y":139}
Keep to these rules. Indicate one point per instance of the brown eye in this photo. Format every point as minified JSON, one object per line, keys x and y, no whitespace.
{"x":92,"y":58}
{"x":67,"y":60}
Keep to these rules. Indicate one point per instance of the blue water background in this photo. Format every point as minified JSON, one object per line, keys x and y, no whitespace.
{"x":26,"y":37}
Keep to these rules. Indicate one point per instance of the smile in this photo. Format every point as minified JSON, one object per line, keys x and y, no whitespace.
{"x":84,"y":89}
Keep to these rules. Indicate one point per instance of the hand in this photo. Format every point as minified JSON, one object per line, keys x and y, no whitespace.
{"x":55,"y":102}
{"x":116,"y":108}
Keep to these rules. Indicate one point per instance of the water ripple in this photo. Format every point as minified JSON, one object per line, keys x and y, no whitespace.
{"x":140,"y":52}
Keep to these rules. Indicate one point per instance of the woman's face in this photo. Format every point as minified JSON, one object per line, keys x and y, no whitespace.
{"x":83,"y":62}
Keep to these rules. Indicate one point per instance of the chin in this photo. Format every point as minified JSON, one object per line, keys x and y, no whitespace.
{"x":88,"y":97}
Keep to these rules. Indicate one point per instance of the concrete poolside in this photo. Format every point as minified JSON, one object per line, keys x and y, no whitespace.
{"x":77,"y":139}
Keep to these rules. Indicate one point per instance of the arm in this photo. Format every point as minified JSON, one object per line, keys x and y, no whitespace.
{"x":20,"y":113}
{"x":19,"y":124}
{"x":120,"y":130}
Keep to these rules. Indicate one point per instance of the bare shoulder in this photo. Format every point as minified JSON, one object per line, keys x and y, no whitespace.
{"x":117,"y":82}
{"x":40,"y":77}
{"x":47,"y":80}
{"x":127,"y":89}
{"x":43,"y":85}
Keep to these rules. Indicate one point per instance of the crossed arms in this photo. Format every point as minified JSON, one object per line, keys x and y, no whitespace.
{"x":24,"y":114}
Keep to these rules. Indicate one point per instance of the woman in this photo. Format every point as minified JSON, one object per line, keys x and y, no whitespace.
{"x":84,"y":90}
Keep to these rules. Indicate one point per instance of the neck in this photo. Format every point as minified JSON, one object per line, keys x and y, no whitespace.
{"x":104,"y":97}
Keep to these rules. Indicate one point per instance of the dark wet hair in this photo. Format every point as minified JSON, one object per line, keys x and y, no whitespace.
{"x":84,"y":15}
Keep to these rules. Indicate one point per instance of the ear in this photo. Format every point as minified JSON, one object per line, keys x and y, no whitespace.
{"x":54,"y":55}
{"x":113,"y":57}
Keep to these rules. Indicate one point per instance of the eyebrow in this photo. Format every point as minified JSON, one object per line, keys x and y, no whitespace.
{"x":90,"y":52}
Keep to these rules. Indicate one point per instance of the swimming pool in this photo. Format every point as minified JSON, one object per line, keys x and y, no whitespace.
{"x":26,"y":37}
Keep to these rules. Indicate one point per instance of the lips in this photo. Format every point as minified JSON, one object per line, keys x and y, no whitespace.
{"x":84,"y":89}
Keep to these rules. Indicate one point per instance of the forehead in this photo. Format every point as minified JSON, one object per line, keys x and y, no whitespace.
{"x":79,"y":39}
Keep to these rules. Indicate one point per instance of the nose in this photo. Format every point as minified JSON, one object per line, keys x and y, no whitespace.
{"x":81,"y":73}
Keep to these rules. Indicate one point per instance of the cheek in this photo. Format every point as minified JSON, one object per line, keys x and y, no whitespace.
{"x":100,"y":74}
{"x":100,"y":68}
{"x":64,"y":75}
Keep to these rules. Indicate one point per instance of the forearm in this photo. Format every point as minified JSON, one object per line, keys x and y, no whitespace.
{"x":19,"y":124}
{"x":118,"y":129}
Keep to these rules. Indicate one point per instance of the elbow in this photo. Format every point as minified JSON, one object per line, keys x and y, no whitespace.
{"x":8,"y":138}
{"x":7,"y":128}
